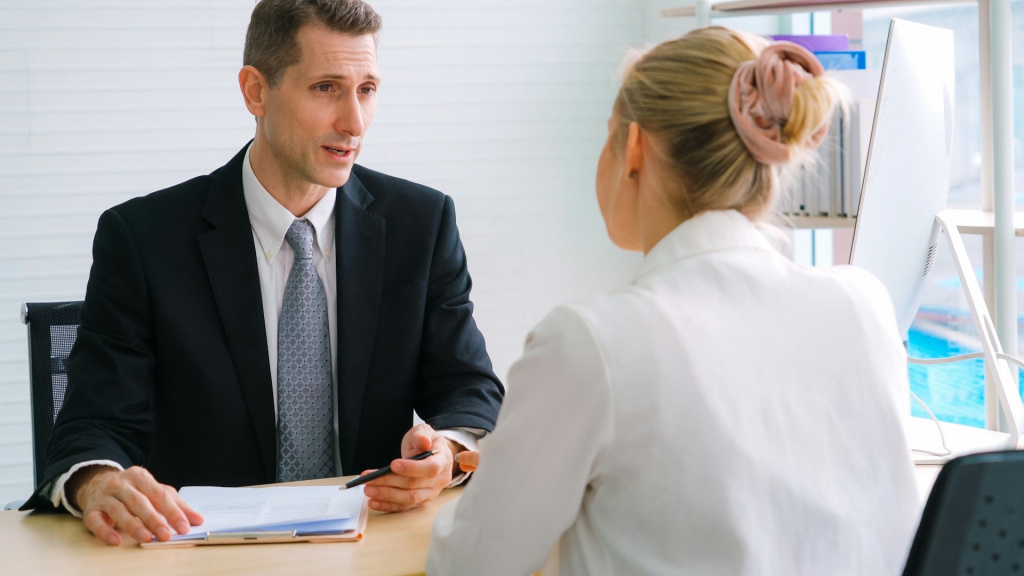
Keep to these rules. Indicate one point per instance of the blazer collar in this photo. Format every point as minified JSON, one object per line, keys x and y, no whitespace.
{"x":229,"y":256}
{"x":226,"y":201}
{"x":356,"y":192}
{"x":360,"y":238}
{"x":706,"y":232}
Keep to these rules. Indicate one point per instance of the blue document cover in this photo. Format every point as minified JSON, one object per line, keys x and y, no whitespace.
{"x":842,"y":59}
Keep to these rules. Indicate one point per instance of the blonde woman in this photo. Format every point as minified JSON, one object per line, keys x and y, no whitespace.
{"x":729,"y":412}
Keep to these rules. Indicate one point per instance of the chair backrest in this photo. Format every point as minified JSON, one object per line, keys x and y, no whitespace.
{"x":52,"y":330}
{"x":973,"y":523}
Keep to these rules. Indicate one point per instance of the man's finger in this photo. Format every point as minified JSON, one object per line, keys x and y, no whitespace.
{"x":136,"y":488}
{"x":102,"y":526}
{"x":418,"y":442}
{"x":388,"y":506}
{"x":127,"y":521}
{"x":140,"y":506}
{"x":427,"y":468}
{"x":398,"y":495}
{"x":399,"y":481}
{"x":194,"y":518}
{"x":167,"y":515}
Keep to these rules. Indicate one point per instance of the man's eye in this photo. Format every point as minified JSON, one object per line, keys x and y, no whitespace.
{"x":322,"y":87}
{"x":367,"y":89}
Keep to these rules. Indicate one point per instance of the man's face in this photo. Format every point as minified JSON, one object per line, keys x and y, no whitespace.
{"x":316,"y":117}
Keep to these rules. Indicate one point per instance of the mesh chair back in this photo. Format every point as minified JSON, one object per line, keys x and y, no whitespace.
{"x":52,"y":330}
{"x":973,"y":523}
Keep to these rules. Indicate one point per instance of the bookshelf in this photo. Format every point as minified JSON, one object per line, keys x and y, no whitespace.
{"x":997,"y":222}
{"x":760,"y":7}
{"x":821,"y":222}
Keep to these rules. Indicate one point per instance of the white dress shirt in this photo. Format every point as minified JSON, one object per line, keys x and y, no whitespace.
{"x":274,"y":257}
{"x":729,"y":412}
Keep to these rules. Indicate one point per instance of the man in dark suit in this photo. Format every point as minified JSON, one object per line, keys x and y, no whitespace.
{"x":278,"y":319}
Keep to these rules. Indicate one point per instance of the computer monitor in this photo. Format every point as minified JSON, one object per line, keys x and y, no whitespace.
{"x":903,"y":199}
{"x":906,"y":175}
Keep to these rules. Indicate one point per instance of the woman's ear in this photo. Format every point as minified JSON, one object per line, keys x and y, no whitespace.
{"x":634,"y":156}
{"x":254,"y":90}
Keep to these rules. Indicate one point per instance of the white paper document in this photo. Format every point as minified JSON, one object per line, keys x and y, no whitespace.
{"x":307,"y":510}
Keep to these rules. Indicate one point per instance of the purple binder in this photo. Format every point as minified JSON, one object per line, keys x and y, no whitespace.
{"x":823,"y":43}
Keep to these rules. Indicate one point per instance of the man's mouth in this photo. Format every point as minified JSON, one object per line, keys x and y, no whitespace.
{"x":338,"y":151}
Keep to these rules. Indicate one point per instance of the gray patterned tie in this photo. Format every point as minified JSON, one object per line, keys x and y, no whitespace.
{"x":305,"y":404}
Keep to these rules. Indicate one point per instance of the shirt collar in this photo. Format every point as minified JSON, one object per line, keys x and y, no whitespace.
{"x":706,"y":232}
{"x":271,"y":221}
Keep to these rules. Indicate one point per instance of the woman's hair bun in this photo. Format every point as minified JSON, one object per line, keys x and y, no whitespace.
{"x":779,"y":102}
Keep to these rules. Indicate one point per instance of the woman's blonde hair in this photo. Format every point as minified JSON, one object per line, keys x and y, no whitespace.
{"x":678,"y":91}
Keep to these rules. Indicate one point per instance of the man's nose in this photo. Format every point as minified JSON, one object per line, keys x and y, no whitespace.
{"x":349,"y":119}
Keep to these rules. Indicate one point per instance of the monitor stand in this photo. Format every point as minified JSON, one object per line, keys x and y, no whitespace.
{"x":922,"y":432}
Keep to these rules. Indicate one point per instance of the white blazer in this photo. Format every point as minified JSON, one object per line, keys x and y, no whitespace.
{"x":729,"y":412}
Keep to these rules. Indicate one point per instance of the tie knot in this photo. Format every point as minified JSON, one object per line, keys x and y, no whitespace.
{"x":300,"y":238}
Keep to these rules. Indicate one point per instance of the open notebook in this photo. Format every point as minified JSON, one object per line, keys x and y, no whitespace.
{"x":272,"y":515}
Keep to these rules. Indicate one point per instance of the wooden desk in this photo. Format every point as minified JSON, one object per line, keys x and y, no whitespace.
{"x":37,"y":545}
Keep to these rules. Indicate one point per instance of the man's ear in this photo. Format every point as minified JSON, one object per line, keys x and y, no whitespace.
{"x":634,"y":156}
{"x":254,"y":90}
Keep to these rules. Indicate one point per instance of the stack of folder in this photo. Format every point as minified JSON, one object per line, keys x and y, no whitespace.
{"x":829,"y":183}
{"x":271,"y":515}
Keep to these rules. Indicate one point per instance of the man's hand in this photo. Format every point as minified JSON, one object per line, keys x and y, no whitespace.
{"x":415,"y":482}
{"x":131,"y":500}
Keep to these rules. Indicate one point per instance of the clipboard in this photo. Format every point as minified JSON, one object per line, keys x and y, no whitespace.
{"x":271,"y":515}
{"x":268,"y":536}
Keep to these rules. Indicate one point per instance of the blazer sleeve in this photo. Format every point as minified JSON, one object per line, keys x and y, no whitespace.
{"x":457,"y":386}
{"x":547,"y":451}
{"x":107,"y":411}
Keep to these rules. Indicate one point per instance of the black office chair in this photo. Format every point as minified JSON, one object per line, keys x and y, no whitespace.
{"x":52,"y":330}
{"x":973,"y":523}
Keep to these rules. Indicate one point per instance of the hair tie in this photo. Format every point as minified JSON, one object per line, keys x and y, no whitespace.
{"x":761,"y":97}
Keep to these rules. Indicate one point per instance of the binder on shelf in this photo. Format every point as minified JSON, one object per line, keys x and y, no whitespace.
{"x":810,"y":178}
{"x":823,"y":179}
{"x":829,"y":183}
{"x":835,"y":167}
{"x":856,"y":133}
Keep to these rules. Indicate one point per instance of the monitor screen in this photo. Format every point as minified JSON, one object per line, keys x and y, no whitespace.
{"x":906,"y":176}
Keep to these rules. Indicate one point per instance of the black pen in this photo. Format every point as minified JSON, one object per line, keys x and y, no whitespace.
{"x":382,"y":472}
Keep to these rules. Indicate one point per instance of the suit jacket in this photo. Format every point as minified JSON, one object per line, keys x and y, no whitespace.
{"x":170,"y":369}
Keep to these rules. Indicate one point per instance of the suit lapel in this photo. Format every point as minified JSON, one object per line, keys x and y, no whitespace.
{"x":230,"y":259}
{"x":359,"y":240}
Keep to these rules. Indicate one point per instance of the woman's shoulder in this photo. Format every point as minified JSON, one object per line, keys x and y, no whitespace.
{"x":603,"y":312}
{"x":866,"y":292}
{"x":584,"y":328}
{"x":862,"y":284}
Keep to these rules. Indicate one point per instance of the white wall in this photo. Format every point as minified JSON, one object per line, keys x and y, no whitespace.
{"x":501,"y":104}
